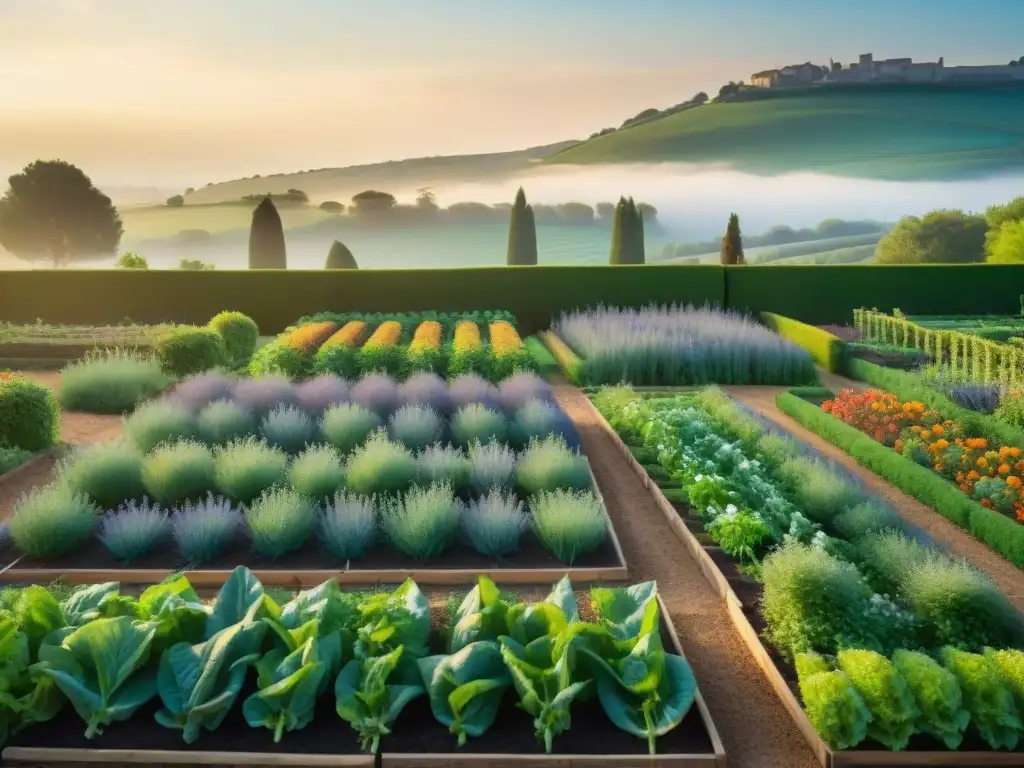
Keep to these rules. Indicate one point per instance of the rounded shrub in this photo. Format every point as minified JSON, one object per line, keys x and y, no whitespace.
{"x":477,"y":423}
{"x":244,"y":469}
{"x":179,"y":472}
{"x":189,"y":349}
{"x":197,"y":392}
{"x":428,"y":389}
{"x":423,"y":522}
{"x":205,"y":529}
{"x":288,"y":428}
{"x":240,"y":334}
{"x":158,"y":422}
{"x":223,"y":421}
{"x":111,"y":381}
{"x":491,"y":466}
{"x":444,"y":464}
{"x":470,"y":388}
{"x":535,"y":420}
{"x":108,"y":473}
{"x":348,"y":525}
{"x":380,"y":467}
{"x":318,"y":394}
{"x":494,"y":523}
{"x":347,"y":426}
{"x":376,"y":391}
{"x":53,"y":521}
{"x":278,"y":359}
{"x":29,"y":416}
{"x":134,"y":530}
{"x":570,"y":524}
{"x":280,"y":521}
{"x":549,"y":465}
{"x":317,"y":472}
{"x":415,"y":426}
{"x":264,"y":394}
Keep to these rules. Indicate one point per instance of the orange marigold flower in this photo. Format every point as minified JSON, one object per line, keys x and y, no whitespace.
{"x":1004,"y":469}
{"x":1013,"y":481}
{"x":308,"y":337}
{"x":387,"y":335}
{"x":1015,"y":452}
{"x":350,"y":335}
{"x":972,"y":475}
{"x":898,"y":446}
{"x":937,"y":429}
{"x":982,"y":462}
{"x":426,"y":336}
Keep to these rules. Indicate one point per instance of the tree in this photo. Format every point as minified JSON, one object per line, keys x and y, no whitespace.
{"x":175,"y":201}
{"x":332,"y":206}
{"x":996,"y":216}
{"x":266,"y":238}
{"x":195,"y":265}
{"x":296,"y":196}
{"x":522,"y":233}
{"x":576,"y":213}
{"x":340,"y":257}
{"x":940,"y":237}
{"x":605,"y":211}
{"x":627,"y":234}
{"x":732,"y":242}
{"x":52,"y":209}
{"x":426,"y":201}
{"x":1006,"y":245}
{"x":130,"y":260}
{"x":700,"y":98}
{"x":650,"y":213}
{"x":371,"y":201}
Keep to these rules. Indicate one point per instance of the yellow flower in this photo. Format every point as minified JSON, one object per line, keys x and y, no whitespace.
{"x":467,"y":336}
{"x":349,"y":336}
{"x":387,"y":335}
{"x":504,"y":339}
{"x":427,"y":336}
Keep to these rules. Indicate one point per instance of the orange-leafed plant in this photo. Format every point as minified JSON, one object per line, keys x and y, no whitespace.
{"x":350,"y":335}
{"x":309,"y":337}
{"x":467,"y":336}
{"x":387,"y":335}
{"x":508,"y":353}
{"x":425,"y":349}
{"x":339,"y":353}
{"x":468,"y":353}
{"x":381,"y":352}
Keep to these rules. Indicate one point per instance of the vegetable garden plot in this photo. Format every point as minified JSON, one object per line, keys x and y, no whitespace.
{"x":909,"y":741}
{"x":299,"y":670}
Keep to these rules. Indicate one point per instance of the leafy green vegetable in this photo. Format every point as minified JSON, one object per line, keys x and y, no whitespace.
{"x":993,"y":712}
{"x":937,"y":695}
{"x":176,"y":610}
{"x":96,"y":601}
{"x":466,"y":687}
{"x":886,"y":694}
{"x":289,"y":683}
{"x":371,"y":693}
{"x":99,"y":667}
{"x":482,"y":615}
{"x":835,"y":709}
{"x":241,"y":599}
{"x":1010,"y":663}
{"x":389,"y":620}
{"x":627,"y":612}
{"x":14,"y":664}
{"x":198,"y":684}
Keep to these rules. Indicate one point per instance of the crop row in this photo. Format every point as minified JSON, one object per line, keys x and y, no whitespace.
{"x":887,"y":636}
{"x":398,"y":346}
{"x":109,"y":656}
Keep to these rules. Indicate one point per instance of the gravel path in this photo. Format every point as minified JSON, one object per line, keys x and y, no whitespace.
{"x":755,"y":728}
{"x":957,"y":541}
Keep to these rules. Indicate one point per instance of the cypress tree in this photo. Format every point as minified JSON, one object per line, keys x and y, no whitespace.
{"x":522,"y":233}
{"x":639,"y":255}
{"x":340,"y":257}
{"x":732,"y":243}
{"x":266,"y":238}
{"x":620,"y":234}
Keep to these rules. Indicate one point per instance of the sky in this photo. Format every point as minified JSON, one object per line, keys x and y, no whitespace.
{"x":174,"y":94}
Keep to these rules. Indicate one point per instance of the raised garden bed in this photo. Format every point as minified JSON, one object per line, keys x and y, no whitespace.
{"x":742,"y":597}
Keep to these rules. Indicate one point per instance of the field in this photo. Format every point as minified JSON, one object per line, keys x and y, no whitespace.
{"x":691,"y":513}
{"x":894,"y":133}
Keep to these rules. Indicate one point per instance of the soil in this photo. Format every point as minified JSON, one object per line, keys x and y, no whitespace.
{"x":844,"y":332}
{"x":888,"y":359}
{"x":531,"y":555}
{"x":754,"y":727}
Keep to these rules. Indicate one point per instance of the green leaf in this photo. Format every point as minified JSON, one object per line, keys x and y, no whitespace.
{"x":466,"y":687}
{"x":99,"y":668}
{"x":628,"y":612}
{"x":563,"y":596}
{"x":242,"y":598}
{"x":389,"y":620}
{"x":38,"y":614}
{"x":198,"y":684}
{"x":527,"y":623}
{"x":334,"y":609}
{"x":177,"y":611}
{"x":288,"y":687}
{"x":481,"y":616}
{"x":96,"y":601}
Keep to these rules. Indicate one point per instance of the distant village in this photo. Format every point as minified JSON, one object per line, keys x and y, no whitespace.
{"x":867,"y":70}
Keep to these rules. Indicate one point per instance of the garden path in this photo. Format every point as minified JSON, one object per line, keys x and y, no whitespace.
{"x":755,"y":728}
{"x":956,"y":540}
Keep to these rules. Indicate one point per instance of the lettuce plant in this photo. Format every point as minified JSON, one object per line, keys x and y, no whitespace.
{"x":482,"y":615}
{"x":993,"y":712}
{"x":937,"y":696}
{"x":835,"y":709}
{"x":885,"y":693}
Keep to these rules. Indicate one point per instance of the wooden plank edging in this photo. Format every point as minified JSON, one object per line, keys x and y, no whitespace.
{"x":47,"y":756}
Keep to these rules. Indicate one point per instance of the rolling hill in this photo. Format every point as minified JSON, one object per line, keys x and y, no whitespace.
{"x":892,"y":132}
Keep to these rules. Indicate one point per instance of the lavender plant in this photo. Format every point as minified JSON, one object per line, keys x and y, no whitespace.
{"x":222,"y":421}
{"x":444,"y":463}
{"x":179,"y":471}
{"x":348,"y":425}
{"x":246,"y":468}
{"x":108,"y":473}
{"x":471,"y":389}
{"x":280,"y":521}
{"x":52,"y":521}
{"x":198,"y":391}
{"x":415,"y":426}
{"x":548,"y":464}
{"x":570,"y":524}
{"x":318,"y":394}
{"x":426,"y":389}
{"x":261,"y":395}
{"x":134,"y":530}
{"x":317,"y":472}
{"x":204,"y":529}
{"x":377,"y":392}
{"x":158,"y":422}
{"x":494,"y":523}
{"x":478,"y":423}
{"x":491,"y":466}
{"x":522,"y":387}
{"x":348,"y":525}
{"x":288,"y":428}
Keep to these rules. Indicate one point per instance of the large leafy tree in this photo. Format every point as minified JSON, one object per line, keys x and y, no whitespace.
{"x":940,"y":237}
{"x":266,"y":238}
{"x":52,"y":210}
{"x":1006,"y":244}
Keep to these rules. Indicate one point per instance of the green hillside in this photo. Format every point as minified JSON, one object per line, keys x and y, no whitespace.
{"x":884,"y":132}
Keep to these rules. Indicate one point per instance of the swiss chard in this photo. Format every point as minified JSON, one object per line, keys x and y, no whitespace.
{"x":289,"y":683}
{"x":482,"y":615}
{"x":388,"y":620}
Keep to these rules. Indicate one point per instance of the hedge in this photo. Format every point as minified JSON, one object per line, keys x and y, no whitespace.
{"x":909,"y":386}
{"x":542,"y":357}
{"x":826,"y":349}
{"x":999,"y":532}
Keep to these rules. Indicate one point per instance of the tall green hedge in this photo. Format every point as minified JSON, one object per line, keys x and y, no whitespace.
{"x":827,"y":350}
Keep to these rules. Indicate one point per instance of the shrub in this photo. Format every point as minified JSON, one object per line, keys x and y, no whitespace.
{"x":424,"y":351}
{"x":495,"y":523}
{"x":478,"y":423}
{"x":444,"y":464}
{"x":280,"y":521}
{"x":867,"y":517}
{"x":113,"y":381}
{"x":347,"y":426}
{"x":426,"y":389}
{"x":279,"y":359}
{"x":815,"y":488}
{"x":52,"y":521}
{"x":348,"y":526}
{"x":380,"y":467}
{"x":200,"y":390}
{"x":205,"y":529}
{"x":108,"y":473}
{"x":377,"y":392}
{"x":240,"y":334}
{"x":339,"y":355}
{"x":188,"y":349}
{"x":825,"y":349}
{"x":179,"y":472}
{"x":382,"y":352}
{"x":422,"y":523}
{"x":223,"y":421}
{"x":491,"y":466}
{"x":264,"y":394}
{"x":318,"y":394}
{"x":244,"y":469}
{"x":288,"y":428}
{"x":472,"y":389}
{"x":570,"y":524}
{"x":415,"y":426}
{"x":12,"y":457}
{"x":520,"y":388}
{"x":535,"y":420}
{"x":134,"y":530}
{"x":157,"y":423}
{"x":29,"y":417}
{"x":1011,"y":410}
{"x":317,"y":472}
{"x":548,"y":465}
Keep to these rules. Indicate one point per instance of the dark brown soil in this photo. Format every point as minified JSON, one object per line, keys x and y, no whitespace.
{"x":888,"y":359}
{"x":844,"y":332}
{"x":311,"y":558}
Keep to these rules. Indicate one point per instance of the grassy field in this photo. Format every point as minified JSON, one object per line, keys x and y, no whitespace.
{"x":147,"y":222}
{"x":896,"y":133}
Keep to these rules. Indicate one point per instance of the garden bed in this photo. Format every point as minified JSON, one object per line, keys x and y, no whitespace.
{"x":742,"y":597}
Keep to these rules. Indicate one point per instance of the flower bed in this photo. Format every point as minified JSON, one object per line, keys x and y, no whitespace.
{"x":322,"y":476}
{"x":264,"y":674}
{"x":873,"y":633}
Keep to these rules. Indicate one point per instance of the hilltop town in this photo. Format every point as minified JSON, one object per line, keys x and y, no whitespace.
{"x":867,"y":70}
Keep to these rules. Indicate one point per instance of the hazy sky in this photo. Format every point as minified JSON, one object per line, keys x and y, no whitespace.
{"x":182,"y":92}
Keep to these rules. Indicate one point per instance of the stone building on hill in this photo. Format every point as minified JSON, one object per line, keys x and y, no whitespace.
{"x":868,"y":70}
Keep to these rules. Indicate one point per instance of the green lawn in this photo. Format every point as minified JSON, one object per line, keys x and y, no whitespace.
{"x":887,"y":133}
